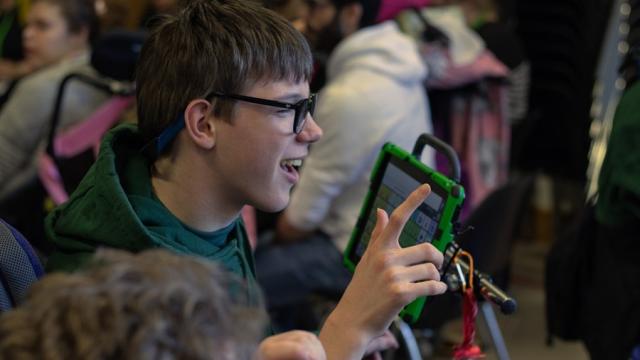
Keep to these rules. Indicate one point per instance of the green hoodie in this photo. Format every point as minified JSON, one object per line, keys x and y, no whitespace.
{"x":114,"y":206}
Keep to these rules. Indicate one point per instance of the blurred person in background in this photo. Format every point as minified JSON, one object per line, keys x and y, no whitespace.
{"x":153,"y":305}
{"x":58,"y":37}
{"x":295,"y":11}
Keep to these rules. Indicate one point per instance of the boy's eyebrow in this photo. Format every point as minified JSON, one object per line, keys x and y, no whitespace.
{"x":291,"y":98}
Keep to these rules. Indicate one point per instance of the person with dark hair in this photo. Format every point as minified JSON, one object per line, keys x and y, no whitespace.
{"x":224,"y":120}
{"x":153,"y":305}
{"x":25,"y":61}
{"x":57,"y":38}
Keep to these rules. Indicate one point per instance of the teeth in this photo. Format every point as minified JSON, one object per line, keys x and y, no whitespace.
{"x":292,"y":162}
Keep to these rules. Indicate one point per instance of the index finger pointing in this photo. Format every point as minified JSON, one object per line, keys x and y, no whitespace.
{"x":402,"y":213}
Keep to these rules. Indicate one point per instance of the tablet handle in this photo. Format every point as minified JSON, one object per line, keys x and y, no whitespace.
{"x":439,"y":145}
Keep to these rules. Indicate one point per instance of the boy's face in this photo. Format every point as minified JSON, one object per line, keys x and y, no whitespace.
{"x":254,"y":149}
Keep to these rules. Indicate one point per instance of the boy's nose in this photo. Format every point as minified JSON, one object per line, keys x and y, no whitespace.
{"x":311,"y":131}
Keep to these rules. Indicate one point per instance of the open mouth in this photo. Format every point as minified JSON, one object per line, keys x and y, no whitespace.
{"x":291,"y":165}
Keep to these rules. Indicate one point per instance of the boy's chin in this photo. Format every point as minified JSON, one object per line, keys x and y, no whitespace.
{"x":274,"y":205}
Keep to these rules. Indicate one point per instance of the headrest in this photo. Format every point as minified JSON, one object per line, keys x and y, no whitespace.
{"x":115,"y":54}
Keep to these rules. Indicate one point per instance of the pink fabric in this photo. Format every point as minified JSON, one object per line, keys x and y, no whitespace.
{"x":73,"y":141}
{"x":90,"y":131}
{"x":486,"y":65}
{"x":51,"y":179}
{"x":390,"y":8}
{"x":481,"y":135}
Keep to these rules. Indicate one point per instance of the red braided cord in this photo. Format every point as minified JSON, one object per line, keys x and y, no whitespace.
{"x":470,"y":311}
{"x":468,"y":350}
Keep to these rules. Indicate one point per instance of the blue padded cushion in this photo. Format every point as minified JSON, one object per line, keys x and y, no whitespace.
{"x":19,"y":266}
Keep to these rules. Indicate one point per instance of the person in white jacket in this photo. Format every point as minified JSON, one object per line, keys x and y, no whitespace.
{"x":374,"y":94}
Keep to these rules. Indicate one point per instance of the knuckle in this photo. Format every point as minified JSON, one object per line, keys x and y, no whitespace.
{"x":391,"y":275}
{"x":385,"y":260}
{"x":396,"y":218}
{"x":433,"y":272}
{"x":396,"y":290}
{"x":400,"y":294}
{"x":415,"y":196}
{"x":436,"y":255}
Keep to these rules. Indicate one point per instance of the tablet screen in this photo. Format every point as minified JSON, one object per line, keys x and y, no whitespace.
{"x":398,"y":180}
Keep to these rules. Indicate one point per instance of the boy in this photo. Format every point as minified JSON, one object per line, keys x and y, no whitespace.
{"x":224,"y":115}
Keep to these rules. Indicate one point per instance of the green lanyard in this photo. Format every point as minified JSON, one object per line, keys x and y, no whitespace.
{"x":5,"y":26}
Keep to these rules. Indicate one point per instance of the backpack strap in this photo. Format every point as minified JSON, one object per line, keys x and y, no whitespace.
{"x":89,"y":132}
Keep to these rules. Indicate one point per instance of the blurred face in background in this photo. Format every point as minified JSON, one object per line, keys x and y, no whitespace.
{"x":6,"y":5}
{"x":321,"y":14}
{"x":322,"y":28}
{"x":316,"y":19}
{"x":295,"y":11}
{"x":46,"y":36}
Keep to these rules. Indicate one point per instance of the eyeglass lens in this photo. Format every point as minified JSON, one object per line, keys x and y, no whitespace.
{"x":307,"y":106}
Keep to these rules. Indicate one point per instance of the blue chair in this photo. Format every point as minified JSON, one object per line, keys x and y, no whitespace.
{"x":19,"y":267}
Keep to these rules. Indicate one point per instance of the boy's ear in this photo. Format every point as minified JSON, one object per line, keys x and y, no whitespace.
{"x":199,"y":124}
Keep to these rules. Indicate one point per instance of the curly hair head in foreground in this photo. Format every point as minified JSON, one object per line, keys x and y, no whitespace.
{"x":153,"y":305}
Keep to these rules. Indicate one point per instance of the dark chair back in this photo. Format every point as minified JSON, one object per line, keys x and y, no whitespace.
{"x":19,"y":267}
{"x":495,"y":222}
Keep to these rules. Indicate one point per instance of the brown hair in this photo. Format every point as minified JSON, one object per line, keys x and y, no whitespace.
{"x":154,"y":305}
{"x":221,"y":45}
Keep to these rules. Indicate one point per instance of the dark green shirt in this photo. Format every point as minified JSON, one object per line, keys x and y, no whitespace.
{"x":114,"y":206}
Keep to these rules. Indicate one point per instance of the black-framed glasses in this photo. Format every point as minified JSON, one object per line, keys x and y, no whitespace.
{"x":300,"y":108}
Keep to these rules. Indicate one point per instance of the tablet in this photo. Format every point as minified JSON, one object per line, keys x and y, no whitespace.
{"x":395,"y":176}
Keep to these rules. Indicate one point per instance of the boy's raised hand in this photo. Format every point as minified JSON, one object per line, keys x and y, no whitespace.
{"x":387,"y":278}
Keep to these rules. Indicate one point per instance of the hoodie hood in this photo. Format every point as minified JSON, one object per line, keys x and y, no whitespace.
{"x":80,"y":224}
{"x":382,"y":49}
{"x":115,"y":206}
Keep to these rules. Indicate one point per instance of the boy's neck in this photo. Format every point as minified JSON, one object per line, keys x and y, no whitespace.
{"x":192,"y":198}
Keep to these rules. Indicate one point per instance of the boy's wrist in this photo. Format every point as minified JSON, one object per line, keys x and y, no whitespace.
{"x":342,"y":339}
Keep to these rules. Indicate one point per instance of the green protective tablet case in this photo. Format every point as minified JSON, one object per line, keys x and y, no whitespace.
{"x":432,"y":221}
